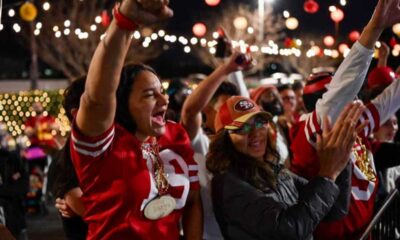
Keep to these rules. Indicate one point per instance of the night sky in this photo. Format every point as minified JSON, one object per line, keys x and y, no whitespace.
{"x":14,"y":59}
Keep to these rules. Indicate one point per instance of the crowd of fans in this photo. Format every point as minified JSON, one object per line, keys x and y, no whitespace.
{"x":312,"y":159}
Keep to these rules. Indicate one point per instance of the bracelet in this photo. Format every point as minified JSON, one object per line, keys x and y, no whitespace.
{"x":122,"y":21}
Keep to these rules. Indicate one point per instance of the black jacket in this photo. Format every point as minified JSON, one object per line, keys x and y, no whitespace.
{"x":13,"y":188}
{"x":292,"y":211}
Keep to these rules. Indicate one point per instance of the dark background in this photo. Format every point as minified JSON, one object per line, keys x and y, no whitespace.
{"x":14,"y":56}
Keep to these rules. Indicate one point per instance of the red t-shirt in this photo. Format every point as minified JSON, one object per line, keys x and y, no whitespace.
{"x":305,"y":163}
{"x":117,"y":183}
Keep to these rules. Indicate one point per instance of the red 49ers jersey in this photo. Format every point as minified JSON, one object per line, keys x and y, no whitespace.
{"x":305,"y":163}
{"x":117,"y":182}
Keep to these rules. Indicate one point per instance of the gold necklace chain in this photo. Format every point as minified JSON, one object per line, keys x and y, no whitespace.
{"x":159,"y":175}
{"x":362,"y":160}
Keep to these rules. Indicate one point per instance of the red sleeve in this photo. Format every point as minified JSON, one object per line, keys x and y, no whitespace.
{"x":305,"y":162}
{"x":371,"y":115}
{"x":91,"y":146}
{"x":84,"y":150}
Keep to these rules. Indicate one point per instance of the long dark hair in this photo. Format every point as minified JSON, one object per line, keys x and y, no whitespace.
{"x":223,"y":155}
{"x":63,"y":172}
{"x":128,"y":76}
{"x":62,"y":176}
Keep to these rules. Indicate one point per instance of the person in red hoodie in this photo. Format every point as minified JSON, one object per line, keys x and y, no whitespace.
{"x":324,"y":95}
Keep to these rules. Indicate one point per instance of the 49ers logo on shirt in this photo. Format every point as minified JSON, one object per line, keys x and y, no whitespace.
{"x":243,"y":105}
{"x":177,"y":172}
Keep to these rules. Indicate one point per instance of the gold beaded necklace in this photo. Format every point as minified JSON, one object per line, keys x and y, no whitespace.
{"x":362,"y":160}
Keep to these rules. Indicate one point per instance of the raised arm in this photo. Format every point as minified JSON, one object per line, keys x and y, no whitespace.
{"x":238,"y":79}
{"x":98,"y":102}
{"x":201,"y":96}
{"x":383,"y":56}
{"x":352,"y":71}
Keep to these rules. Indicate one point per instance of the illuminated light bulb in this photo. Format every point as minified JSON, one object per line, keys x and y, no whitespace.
{"x":46,"y":6}
{"x":194,"y":41}
{"x":67,"y":23}
{"x":203,"y":42}
{"x":215,"y":35}
{"x":161,"y":33}
{"x":395,"y":53}
{"x":186,"y":49}
{"x":286,"y":14}
{"x":212,"y":3}
{"x":337,"y":15}
{"x":98,"y":19}
{"x":173,"y":38}
{"x":199,"y":29}
{"x":311,"y":6}
{"x":292,"y":23}
{"x":11,"y":13}
{"x":183,"y":40}
{"x":329,"y":41}
{"x":396,"y":28}
{"x":136,"y":34}
{"x":16,"y":27}
{"x":240,"y":23}
{"x":354,"y":36}
{"x":332,"y":8}
{"x":93,"y":27}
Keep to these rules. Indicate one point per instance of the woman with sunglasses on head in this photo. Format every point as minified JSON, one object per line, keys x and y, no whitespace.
{"x":256,"y":198}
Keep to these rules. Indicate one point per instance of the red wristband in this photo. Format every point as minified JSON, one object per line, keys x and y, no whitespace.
{"x":122,"y":21}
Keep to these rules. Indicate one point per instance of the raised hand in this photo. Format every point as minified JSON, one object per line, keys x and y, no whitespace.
{"x":146,"y":11}
{"x":386,"y":14}
{"x":334,"y":144}
{"x":384,"y":50}
{"x":239,"y":61}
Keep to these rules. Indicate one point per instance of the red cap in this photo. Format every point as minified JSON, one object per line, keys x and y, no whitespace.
{"x":317,"y":82}
{"x":255,"y":94}
{"x":236,"y":111}
{"x":380,"y":76}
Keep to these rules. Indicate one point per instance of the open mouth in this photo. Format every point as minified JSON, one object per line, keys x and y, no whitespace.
{"x":159,"y":118}
{"x":255,"y":144}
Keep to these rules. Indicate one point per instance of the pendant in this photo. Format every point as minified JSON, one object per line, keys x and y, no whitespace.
{"x":159,"y":207}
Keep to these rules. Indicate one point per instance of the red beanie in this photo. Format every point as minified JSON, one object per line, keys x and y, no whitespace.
{"x":380,"y":76}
